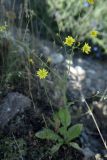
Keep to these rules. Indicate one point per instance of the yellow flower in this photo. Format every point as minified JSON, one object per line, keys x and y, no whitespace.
{"x":31,"y":61}
{"x":69,"y":41}
{"x":42,"y":73}
{"x":94,"y":33}
{"x":86,"y":48}
{"x":91,"y":1}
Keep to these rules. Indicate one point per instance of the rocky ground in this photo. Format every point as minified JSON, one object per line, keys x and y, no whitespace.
{"x":20,"y":119}
{"x":88,"y":75}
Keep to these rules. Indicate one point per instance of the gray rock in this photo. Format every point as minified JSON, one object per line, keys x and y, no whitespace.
{"x":48,"y":50}
{"x":11,"y":105}
{"x":88,"y":154}
{"x":91,"y":75}
{"x":100,"y":109}
{"x":57,"y":58}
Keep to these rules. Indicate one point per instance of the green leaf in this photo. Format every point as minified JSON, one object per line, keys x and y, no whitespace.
{"x":48,"y":134}
{"x":55,"y":116}
{"x":75,"y":145}
{"x":64,"y":116}
{"x":74,"y":131}
{"x":56,"y":147}
{"x":63,"y":131}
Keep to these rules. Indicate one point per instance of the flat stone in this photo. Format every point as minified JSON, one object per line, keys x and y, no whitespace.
{"x":11,"y":105}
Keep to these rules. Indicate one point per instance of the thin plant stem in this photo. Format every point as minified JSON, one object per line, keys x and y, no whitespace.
{"x":93,"y":117}
{"x":49,"y":99}
{"x":103,"y":95}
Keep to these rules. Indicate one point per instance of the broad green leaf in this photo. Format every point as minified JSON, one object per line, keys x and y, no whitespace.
{"x":64,"y":116}
{"x":48,"y":134}
{"x":75,"y":145}
{"x":63,"y":131}
{"x":56,"y":147}
{"x":74,"y":131}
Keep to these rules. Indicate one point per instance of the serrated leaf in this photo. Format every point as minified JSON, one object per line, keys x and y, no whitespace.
{"x":75,"y":145}
{"x":74,"y":131}
{"x":56,"y":147}
{"x":64,"y":116}
{"x":48,"y":134}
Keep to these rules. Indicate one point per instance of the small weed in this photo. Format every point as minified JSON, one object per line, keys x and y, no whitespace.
{"x":62,"y":133}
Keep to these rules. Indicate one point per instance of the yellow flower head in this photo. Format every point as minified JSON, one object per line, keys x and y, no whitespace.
{"x":86,"y":48}
{"x":94,"y":33}
{"x":31,"y":61}
{"x":69,"y":41}
{"x":91,"y":1}
{"x":42,"y":73}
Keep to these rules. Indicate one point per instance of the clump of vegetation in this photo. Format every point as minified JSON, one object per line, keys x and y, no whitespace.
{"x":62,"y":133}
{"x":11,"y":149}
{"x":78,"y":17}
{"x":21,"y":66}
